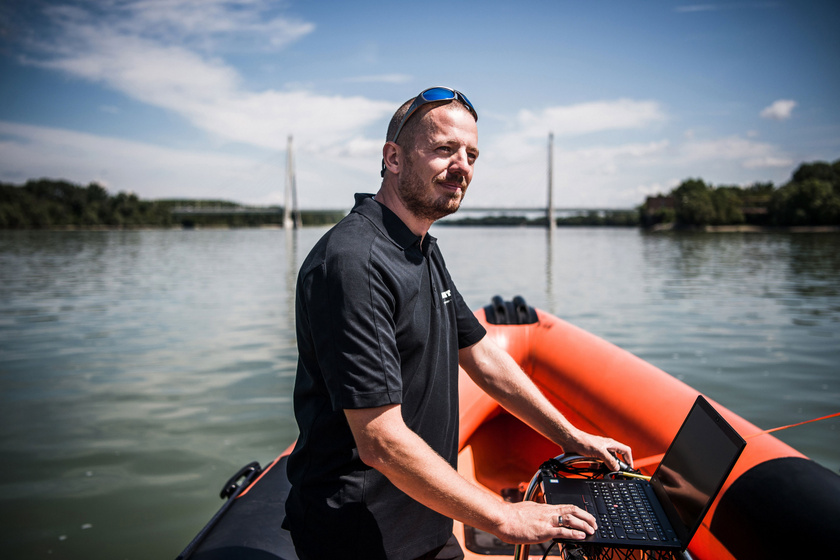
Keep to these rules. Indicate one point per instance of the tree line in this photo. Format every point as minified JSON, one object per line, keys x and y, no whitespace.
{"x":48,"y":203}
{"x":810,"y":198}
{"x":45,"y":203}
{"x":615,"y":218}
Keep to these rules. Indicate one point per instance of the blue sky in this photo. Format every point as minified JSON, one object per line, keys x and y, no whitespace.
{"x":196,"y":98}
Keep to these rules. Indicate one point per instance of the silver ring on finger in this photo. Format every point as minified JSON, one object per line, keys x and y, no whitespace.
{"x":560,"y":520}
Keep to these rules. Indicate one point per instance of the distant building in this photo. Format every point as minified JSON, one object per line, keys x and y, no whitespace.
{"x":657,"y":209}
{"x":658,"y":202}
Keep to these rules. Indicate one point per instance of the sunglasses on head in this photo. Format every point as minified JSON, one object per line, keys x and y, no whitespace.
{"x":431,"y":95}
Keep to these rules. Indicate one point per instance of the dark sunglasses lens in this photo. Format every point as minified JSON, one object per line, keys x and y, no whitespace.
{"x":438,"y":94}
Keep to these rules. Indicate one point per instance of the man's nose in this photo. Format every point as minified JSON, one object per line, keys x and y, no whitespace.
{"x":460,"y":163}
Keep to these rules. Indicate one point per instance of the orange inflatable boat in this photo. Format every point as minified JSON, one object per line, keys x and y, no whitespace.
{"x":775,"y":504}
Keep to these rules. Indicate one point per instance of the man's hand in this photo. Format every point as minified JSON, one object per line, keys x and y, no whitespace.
{"x":531,"y":523}
{"x":606,"y":449}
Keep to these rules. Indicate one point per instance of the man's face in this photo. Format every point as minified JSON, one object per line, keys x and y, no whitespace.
{"x":439,"y":168}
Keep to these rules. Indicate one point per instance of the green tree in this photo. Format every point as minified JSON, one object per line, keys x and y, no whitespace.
{"x":819,"y":170}
{"x":759,"y":189}
{"x":693,"y":203}
{"x":811,"y":201}
{"x":727,"y":202}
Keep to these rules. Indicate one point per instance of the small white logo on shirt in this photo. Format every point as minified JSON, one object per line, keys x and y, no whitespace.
{"x":447,"y":296}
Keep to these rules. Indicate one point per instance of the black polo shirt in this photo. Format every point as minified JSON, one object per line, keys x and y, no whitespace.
{"x":379,"y":322}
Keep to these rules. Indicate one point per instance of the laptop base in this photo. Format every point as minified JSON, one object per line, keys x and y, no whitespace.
{"x":597,"y":552}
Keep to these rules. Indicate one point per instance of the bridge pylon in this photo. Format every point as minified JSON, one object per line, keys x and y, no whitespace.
{"x":552,"y":223}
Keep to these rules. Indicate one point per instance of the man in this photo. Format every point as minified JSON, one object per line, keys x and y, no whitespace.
{"x":381,"y":330}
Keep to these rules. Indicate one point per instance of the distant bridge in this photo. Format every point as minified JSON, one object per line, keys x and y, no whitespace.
{"x":216,"y":210}
{"x":515,"y":210}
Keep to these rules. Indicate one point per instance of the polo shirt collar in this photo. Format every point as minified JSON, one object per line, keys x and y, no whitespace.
{"x":389,"y":223}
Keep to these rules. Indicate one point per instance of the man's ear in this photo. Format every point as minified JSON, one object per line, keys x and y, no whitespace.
{"x":392,"y":157}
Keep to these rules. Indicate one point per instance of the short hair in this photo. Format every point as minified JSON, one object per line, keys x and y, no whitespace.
{"x":397,"y":119}
{"x":410,"y":128}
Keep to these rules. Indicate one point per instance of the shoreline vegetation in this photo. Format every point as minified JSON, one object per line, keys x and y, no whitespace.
{"x":810,"y":201}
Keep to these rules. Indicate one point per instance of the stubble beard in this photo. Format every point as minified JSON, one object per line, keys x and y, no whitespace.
{"x":423,"y":201}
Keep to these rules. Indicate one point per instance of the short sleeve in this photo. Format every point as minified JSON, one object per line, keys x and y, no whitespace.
{"x":351,"y":323}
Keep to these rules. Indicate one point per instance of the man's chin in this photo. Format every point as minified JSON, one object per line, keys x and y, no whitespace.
{"x":451,"y":206}
{"x":437,"y":211}
{"x":452,"y":200}
{"x":436,"y":208}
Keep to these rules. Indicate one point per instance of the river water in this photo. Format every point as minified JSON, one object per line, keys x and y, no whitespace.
{"x":140,"y":369}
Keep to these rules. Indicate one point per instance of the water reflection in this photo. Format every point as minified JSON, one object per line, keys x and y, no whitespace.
{"x":814,"y":261}
{"x":291,"y":238}
{"x":797,"y":271}
{"x":549,"y":272}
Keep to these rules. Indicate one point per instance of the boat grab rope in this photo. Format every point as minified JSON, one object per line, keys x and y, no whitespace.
{"x":780,"y":428}
{"x":655,"y":459}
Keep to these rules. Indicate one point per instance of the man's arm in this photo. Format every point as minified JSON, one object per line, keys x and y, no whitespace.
{"x":388,"y":445}
{"x":497,"y":374}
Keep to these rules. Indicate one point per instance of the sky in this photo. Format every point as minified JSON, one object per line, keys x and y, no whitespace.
{"x":198,"y":98}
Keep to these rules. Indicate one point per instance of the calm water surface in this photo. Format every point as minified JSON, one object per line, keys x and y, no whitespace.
{"x":139,"y":370}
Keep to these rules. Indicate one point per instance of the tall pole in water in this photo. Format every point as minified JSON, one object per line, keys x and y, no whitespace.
{"x":550,"y":210}
{"x":290,"y":207}
{"x":295,"y":208}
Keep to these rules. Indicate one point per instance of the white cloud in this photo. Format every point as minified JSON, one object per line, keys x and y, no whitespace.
{"x":588,"y":175}
{"x":767,"y":161}
{"x":746,"y":153}
{"x":618,"y":174}
{"x":217,"y":25}
{"x":779,"y":110}
{"x":123,"y":165}
{"x":325,"y":180}
{"x":265,"y":119}
{"x":584,"y":118}
{"x":528,"y":133}
{"x":206,"y":91}
{"x":653,"y":189}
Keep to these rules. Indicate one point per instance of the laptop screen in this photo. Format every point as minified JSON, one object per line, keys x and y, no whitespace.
{"x":695,"y":467}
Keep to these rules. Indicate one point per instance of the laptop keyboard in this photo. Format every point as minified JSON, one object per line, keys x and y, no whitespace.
{"x":624,"y":513}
